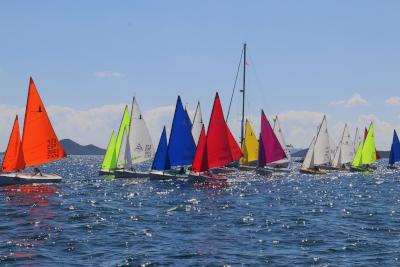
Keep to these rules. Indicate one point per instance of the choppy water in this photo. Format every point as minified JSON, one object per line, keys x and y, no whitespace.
{"x":294,"y":219}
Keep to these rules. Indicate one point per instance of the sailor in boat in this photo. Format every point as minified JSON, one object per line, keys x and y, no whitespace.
{"x":36,"y":171}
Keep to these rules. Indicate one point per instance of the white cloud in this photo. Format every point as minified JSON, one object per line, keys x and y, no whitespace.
{"x":109,"y":74}
{"x":393,"y":100}
{"x":355,"y":100}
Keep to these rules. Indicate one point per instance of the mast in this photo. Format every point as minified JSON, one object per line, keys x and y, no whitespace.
{"x":243,"y":91}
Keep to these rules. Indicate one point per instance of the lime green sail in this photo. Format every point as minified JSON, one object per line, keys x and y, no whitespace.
{"x":110,"y":158}
{"x":125,"y":122}
{"x":369,"y":151}
{"x":357,"y":161}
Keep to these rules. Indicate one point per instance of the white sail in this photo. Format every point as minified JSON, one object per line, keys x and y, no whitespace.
{"x":336,"y":157}
{"x":308,"y":161}
{"x":197,"y":124}
{"x":347,"y":147}
{"x":121,"y":161}
{"x":279,"y":134}
{"x":358,"y":139}
{"x":322,"y":149}
{"x":141,"y":146}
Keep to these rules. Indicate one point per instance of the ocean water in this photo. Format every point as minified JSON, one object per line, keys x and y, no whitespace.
{"x":339,"y":219}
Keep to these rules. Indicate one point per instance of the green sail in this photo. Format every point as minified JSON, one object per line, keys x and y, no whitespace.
{"x":358,"y":157}
{"x":369,"y":151}
{"x":125,"y":122}
{"x":110,"y":158}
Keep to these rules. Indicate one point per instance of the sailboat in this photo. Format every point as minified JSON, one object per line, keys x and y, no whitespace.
{"x":365,"y":137}
{"x":39,"y":145}
{"x":109,"y":163}
{"x":216,"y":149}
{"x":197,"y":124}
{"x":270,"y":150}
{"x":394,"y":151}
{"x":366,"y":153}
{"x":318,"y":153}
{"x":181,"y":146}
{"x":137,"y":146}
{"x":249,"y":149}
{"x":345,"y":152}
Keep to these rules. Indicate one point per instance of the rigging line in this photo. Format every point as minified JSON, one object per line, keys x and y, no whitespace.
{"x":234,"y":85}
{"x":258,"y":83}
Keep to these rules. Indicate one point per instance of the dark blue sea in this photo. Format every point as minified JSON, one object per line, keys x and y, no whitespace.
{"x":283,"y":220}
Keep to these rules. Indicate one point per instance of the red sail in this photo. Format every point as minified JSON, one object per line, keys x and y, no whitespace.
{"x":218,"y":145}
{"x":14,"y":157}
{"x":39,"y":141}
{"x":365,"y":136}
{"x":236,"y":152}
{"x":200,"y":157}
{"x":271,"y":146}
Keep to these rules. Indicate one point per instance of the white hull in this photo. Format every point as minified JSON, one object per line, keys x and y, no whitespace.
{"x":18,"y":178}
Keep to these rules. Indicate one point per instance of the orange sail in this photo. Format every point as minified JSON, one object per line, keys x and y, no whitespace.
{"x":39,"y":141}
{"x":14,"y":157}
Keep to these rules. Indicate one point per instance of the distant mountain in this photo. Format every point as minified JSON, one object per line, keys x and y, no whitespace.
{"x":73,"y":148}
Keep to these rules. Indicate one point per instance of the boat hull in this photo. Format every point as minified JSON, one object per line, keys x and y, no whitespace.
{"x":126,"y":174}
{"x":159,"y":175}
{"x":313,"y":171}
{"x":246,"y":168}
{"x":28,"y":178}
{"x":105,"y":172}
{"x":277,"y":169}
{"x":264,"y":171}
{"x":207,"y":177}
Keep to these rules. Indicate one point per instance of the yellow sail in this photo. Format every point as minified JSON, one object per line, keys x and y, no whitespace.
{"x":369,"y":151}
{"x":109,"y":161}
{"x":249,"y":146}
{"x":357,"y":161}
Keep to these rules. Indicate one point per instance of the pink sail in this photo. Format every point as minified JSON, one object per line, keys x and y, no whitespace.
{"x":271,"y":147}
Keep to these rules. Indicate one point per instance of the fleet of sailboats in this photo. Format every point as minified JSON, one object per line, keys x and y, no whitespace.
{"x":39,"y":145}
{"x":190,"y":151}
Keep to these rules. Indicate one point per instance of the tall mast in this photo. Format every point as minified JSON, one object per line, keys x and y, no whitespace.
{"x":243,"y":91}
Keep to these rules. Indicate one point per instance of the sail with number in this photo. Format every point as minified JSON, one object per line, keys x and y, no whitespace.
{"x":39,"y":141}
{"x":141,"y":145}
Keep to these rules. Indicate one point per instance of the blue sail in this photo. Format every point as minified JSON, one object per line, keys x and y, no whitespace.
{"x":395,"y":150}
{"x":181,"y":147}
{"x":161,"y":159}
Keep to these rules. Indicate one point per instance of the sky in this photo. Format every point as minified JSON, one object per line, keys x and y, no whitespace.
{"x":305,"y":59}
